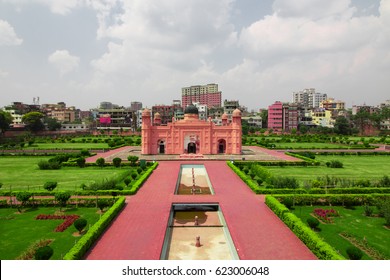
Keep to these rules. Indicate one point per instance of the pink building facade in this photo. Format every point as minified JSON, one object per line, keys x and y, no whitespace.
{"x":275,"y":116}
{"x":191,"y":135}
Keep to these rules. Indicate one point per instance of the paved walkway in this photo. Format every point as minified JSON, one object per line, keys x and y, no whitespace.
{"x":249,"y":153}
{"x":138,"y":232}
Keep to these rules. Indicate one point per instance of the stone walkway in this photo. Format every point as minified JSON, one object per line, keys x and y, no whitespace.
{"x":249,"y":153}
{"x":138,"y":231}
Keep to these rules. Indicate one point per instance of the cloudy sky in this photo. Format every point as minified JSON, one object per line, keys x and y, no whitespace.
{"x":83,"y":52}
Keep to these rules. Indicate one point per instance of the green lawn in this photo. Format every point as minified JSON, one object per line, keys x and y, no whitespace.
{"x":20,"y":231}
{"x":23,"y":173}
{"x":355,"y":167}
{"x":353,"y":222}
{"x":64,"y":146}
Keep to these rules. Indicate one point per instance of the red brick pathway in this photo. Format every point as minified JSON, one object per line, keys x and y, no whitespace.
{"x":138,"y":232}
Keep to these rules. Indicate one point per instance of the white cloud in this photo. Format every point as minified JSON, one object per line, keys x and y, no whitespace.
{"x":64,"y":61}
{"x":3,"y":74}
{"x":313,"y":9}
{"x":8,"y":36}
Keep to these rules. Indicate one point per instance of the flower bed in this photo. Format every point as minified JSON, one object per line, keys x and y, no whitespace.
{"x":325,"y":215}
{"x":69,"y":220}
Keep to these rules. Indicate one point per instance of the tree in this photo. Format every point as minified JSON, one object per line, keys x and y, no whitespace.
{"x":80,"y":224}
{"x":49,"y":186}
{"x":80,"y":162}
{"x":244,"y":127}
{"x":43,"y":253}
{"x":23,"y":198}
{"x":62,"y":198}
{"x":5,"y":120}
{"x":132,"y":159}
{"x":102,"y":203}
{"x":53,"y":124}
{"x":100,"y":162}
{"x":117,"y":162}
{"x":342,"y":126}
{"x":33,"y":121}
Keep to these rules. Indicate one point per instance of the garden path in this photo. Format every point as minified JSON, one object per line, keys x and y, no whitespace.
{"x":138,"y":231}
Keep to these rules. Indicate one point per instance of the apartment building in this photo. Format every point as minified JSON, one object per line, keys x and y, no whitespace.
{"x":203,"y":94}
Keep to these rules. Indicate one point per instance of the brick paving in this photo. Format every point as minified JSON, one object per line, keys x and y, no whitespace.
{"x":138,"y":231}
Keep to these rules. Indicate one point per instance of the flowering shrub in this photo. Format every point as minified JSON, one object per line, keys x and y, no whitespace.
{"x":69,"y":220}
{"x":325,"y":215}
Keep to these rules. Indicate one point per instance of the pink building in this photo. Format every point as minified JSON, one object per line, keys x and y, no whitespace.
{"x":275,"y":116}
{"x":190,"y":135}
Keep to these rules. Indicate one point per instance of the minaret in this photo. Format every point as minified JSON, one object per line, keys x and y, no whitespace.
{"x":146,"y":131}
{"x":237,"y":132}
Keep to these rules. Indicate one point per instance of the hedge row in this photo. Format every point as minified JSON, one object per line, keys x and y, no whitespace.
{"x":87,"y":240}
{"x":319,"y":247}
{"x":334,"y":199}
{"x":138,"y":184}
{"x":51,"y":202}
{"x":244,"y":177}
{"x":355,"y":190}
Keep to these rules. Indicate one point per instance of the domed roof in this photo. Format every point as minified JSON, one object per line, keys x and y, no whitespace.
{"x":191,"y":109}
{"x":224,"y":116}
{"x":157,"y":115}
{"x":146,"y":112}
{"x":236,"y":113}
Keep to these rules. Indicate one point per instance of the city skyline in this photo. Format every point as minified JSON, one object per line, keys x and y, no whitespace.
{"x":87,"y":52}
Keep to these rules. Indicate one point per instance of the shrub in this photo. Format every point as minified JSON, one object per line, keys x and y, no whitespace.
{"x":334,"y":164}
{"x":313,"y":222}
{"x":80,"y":162}
{"x":62,"y":198}
{"x":80,"y":224}
{"x":102,"y":203}
{"x":384,"y":181}
{"x":284,"y":182}
{"x":127,"y":181}
{"x":368,"y":210}
{"x":43,"y":253}
{"x":132,"y":159}
{"x":100,"y":162}
{"x":23,"y":198}
{"x":49,"y":186}
{"x":47,"y":165}
{"x":117,"y":162}
{"x":354,"y":253}
{"x":1,"y":184}
{"x":85,"y":153}
{"x":133,"y":175}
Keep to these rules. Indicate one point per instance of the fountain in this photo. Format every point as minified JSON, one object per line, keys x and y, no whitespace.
{"x":193,"y":179}
{"x":187,"y":224}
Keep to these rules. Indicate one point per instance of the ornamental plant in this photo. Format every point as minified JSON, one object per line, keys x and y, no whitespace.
{"x":80,"y":224}
{"x":49,"y":186}
{"x":43,"y":253}
{"x":354,"y":253}
{"x":325,"y":215}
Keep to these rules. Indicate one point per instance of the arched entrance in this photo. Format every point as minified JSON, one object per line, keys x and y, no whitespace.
{"x":161,"y":147}
{"x":191,"y":148}
{"x":221,"y":146}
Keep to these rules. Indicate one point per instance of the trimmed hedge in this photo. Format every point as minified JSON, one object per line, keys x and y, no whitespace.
{"x":244,"y":177}
{"x":334,"y":199}
{"x":87,"y":240}
{"x":319,"y":247}
{"x":138,"y":184}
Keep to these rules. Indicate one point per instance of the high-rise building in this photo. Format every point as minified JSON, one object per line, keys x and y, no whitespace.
{"x":275,"y":116}
{"x":203,"y":94}
{"x":135,"y":106}
{"x":309,"y":98}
